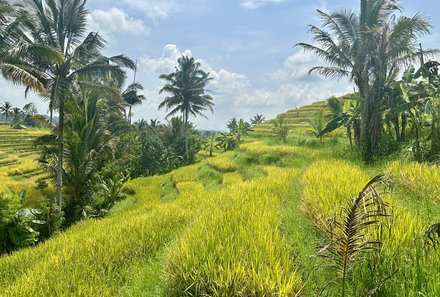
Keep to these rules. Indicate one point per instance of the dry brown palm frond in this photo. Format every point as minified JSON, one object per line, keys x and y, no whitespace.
{"x":357,"y":229}
{"x":432,"y":235}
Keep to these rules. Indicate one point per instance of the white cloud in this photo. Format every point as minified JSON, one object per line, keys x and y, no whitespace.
{"x":234,"y":94}
{"x":16,"y":95}
{"x":226,"y":82}
{"x":165,"y":63}
{"x":156,"y":10}
{"x":115,"y":20}
{"x":255,"y":4}
{"x":296,"y":67}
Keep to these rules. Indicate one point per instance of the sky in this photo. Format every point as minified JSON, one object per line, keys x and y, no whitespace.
{"x":246,"y":45}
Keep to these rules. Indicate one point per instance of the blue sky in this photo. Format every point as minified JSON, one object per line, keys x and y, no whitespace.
{"x":246,"y":45}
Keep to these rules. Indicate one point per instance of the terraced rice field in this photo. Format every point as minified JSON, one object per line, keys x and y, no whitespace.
{"x":296,"y":119}
{"x":19,"y":167}
{"x":250,"y":222}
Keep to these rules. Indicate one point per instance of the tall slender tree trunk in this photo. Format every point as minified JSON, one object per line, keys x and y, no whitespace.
{"x":357,"y":132}
{"x":415,"y":129}
{"x":371,"y":124}
{"x":185,"y":122}
{"x":435,"y":135}
{"x":60,"y":151}
{"x":397,"y":128}
{"x":404,"y":124}
{"x":349,"y":136}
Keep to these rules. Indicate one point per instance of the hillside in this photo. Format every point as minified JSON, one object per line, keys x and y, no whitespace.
{"x":19,"y":167}
{"x":296,"y":119}
{"x":249,"y":222}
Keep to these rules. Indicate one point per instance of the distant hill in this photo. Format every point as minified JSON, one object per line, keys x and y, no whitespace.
{"x":297,"y":118}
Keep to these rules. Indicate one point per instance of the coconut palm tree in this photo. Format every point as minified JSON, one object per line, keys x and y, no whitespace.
{"x":132,"y":98}
{"x":257,"y":119}
{"x":6,"y":109}
{"x":232,"y":124}
{"x":30,"y":109}
{"x":18,"y":51}
{"x":369,"y":48}
{"x":61,"y":25}
{"x":90,"y":120}
{"x":16,"y":112}
{"x":186,"y":86}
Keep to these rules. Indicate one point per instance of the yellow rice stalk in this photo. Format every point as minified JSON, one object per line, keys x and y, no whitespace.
{"x":187,"y":173}
{"x":94,"y":258}
{"x":231,"y":178}
{"x":329,"y":184}
{"x":234,"y":248}
{"x":260,"y":148}
{"x":26,"y":166}
{"x":422,"y":179}
{"x":223,"y":162}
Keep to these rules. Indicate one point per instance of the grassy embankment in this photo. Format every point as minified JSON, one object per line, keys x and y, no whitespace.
{"x":18,"y":163}
{"x":244,"y":223}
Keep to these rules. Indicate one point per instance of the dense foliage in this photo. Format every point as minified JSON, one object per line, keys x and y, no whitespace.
{"x":370,"y":48}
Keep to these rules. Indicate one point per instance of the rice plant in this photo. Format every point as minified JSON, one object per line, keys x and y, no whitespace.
{"x":421,"y":179}
{"x":234,"y":248}
{"x":222,"y":163}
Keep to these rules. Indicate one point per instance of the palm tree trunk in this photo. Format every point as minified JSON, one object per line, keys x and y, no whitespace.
{"x":371,"y":126}
{"x":349,"y":136}
{"x":60,"y":151}
{"x":185,"y":120}
{"x":435,"y":135}
{"x":404,"y":123}
{"x":397,"y":128}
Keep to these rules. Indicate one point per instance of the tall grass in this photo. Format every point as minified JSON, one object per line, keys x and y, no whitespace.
{"x":94,"y":258}
{"x":234,"y":248}
{"x":421,"y":179}
{"x":223,"y":162}
{"x":402,"y":260}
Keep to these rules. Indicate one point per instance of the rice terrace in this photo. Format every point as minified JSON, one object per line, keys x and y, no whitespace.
{"x":292,"y":148}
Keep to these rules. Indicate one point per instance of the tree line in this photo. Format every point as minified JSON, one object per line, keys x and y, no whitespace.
{"x":94,"y":148}
{"x":372,"y":48}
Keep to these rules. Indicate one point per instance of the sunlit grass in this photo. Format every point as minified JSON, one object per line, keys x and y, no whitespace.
{"x":223,"y":162}
{"x":234,"y":247}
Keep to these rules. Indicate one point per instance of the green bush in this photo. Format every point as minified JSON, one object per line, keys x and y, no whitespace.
{"x":16,"y":224}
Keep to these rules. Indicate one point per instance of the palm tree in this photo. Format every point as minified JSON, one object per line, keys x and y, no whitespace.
{"x":257,"y":119}
{"x":280,"y":129}
{"x":131,"y":97}
{"x":186,"y":86}
{"x":30,"y":109}
{"x":61,"y":25}
{"x":6,"y":109}
{"x":369,"y":48}
{"x":18,"y":51}
{"x":241,"y":130}
{"x":232,"y":124}
{"x":91,"y":118}
{"x":16,"y":112}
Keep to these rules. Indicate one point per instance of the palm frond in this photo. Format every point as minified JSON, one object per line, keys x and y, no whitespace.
{"x":358,"y":228}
